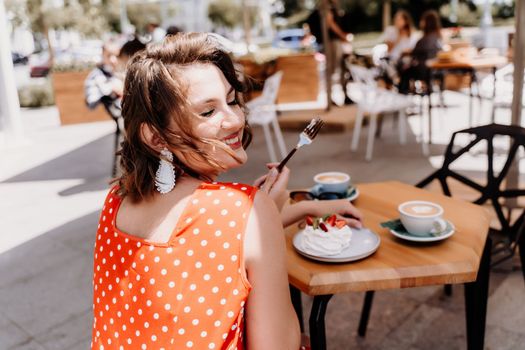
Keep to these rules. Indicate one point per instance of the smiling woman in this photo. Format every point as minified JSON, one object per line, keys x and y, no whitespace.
{"x":182,"y":261}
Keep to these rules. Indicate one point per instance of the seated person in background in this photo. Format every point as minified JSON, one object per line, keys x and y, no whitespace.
{"x":400,"y":38}
{"x":426,"y":48}
{"x":431,"y":43}
{"x":101,"y":85}
{"x":104,"y":83}
{"x":172,"y":30}
{"x":127,"y":51}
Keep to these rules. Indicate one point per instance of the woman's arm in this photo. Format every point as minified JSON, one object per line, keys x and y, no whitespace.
{"x":390,"y":37}
{"x":292,"y":213}
{"x":271,"y":322}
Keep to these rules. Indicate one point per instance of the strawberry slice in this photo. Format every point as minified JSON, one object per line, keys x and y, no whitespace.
{"x":323,"y":227}
{"x":331,"y":220}
{"x":340,"y":224}
{"x":309,"y":220}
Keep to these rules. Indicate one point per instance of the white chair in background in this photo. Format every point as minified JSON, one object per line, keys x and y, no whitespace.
{"x":373,"y":100}
{"x":262,"y":111}
{"x":502,"y":98}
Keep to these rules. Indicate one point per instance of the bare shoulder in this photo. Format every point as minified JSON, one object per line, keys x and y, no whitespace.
{"x":153,"y":219}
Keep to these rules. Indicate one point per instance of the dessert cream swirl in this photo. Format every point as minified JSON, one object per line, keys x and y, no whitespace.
{"x":319,"y":242}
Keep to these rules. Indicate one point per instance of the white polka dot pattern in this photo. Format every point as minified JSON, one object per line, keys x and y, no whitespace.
{"x":188,"y":293}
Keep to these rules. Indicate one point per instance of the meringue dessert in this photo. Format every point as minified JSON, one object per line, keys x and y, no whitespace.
{"x":325,"y":237}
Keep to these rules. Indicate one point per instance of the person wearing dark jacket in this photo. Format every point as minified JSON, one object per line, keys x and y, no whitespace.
{"x":426,"y":48}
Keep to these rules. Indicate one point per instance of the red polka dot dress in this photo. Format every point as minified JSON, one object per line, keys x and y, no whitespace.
{"x":187,"y":293}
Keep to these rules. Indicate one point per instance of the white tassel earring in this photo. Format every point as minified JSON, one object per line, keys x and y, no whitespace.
{"x":165,"y":176}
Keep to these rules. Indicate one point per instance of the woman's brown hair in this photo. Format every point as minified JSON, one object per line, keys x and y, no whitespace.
{"x":431,"y":23}
{"x":409,"y":24}
{"x":156,"y":95}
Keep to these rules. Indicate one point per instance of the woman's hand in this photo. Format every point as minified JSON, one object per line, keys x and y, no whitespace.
{"x":344,"y":210}
{"x":275,"y":184}
{"x":341,"y":207}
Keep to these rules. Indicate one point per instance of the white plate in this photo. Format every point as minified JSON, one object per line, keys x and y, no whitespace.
{"x":353,"y":194}
{"x":449,"y":231}
{"x":364,"y":243}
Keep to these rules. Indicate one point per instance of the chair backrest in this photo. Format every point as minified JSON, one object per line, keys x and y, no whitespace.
{"x":372,"y":98}
{"x":271,"y":87}
{"x":504,"y":85}
{"x":492,"y":189}
{"x":379,"y":52}
{"x":362,"y":75}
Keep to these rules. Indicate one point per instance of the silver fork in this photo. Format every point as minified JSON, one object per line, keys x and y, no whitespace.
{"x":305,"y":138}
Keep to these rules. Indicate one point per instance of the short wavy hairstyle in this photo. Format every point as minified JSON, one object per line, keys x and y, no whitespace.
{"x":155,"y":93}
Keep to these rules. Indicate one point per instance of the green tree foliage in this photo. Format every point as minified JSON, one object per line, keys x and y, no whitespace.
{"x":88,"y":17}
{"x":293,"y":7}
{"x":140,"y":14}
{"x":366,"y":15}
{"x":225,"y":13}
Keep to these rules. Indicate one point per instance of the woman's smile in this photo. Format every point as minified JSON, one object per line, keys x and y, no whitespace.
{"x":233,"y":140}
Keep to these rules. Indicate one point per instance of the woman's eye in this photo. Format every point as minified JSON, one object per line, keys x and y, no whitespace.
{"x":233,"y":103}
{"x":208,"y":113}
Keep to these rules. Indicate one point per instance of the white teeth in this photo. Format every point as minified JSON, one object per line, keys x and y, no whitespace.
{"x":232,"y":140}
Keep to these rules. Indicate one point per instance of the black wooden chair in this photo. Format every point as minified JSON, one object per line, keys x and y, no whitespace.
{"x":510,"y":235}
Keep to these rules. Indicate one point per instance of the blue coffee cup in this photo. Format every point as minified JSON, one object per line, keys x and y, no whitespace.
{"x":332,"y":181}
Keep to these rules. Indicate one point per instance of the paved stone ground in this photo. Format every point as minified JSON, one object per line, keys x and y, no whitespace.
{"x":52,"y":187}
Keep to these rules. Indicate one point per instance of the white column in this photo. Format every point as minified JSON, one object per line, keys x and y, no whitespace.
{"x":518,"y":58}
{"x":453,"y":11}
{"x":266,"y":19}
{"x":486,"y":19}
{"x":125,"y":26}
{"x":387,"y":13}
{"x":10,"y":123}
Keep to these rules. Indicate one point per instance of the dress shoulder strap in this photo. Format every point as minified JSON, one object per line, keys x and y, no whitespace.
{"x":214,"y":205}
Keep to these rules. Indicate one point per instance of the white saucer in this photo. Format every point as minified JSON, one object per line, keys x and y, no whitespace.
{"x":351,"y":195}
{"x":364,"y":243}
{"x":429,"y":237}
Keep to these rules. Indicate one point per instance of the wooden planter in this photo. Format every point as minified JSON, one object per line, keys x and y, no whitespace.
{"x":300,"y":80}
{"x":70,"y":101}
{"x":457,"y":81}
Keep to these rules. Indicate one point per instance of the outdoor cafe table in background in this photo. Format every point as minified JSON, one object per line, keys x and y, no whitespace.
{"x":462,"y":258}
{"x":468,"y":66}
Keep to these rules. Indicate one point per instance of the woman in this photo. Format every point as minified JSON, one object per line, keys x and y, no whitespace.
{"x":176,"y":253}
{"x":431,"y":43}
{"x":426,"y":48}
{"x":399,"y":38}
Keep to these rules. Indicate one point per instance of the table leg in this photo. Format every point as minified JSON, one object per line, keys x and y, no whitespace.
{"x":521,"y":245}
{"x":317,"y":327}
{"x":476,"y":295}
{"x":365,"y":313}
{"x":297,"y":303}
{"x":430,"y":115}
{"x":448,"y":290}
{"x":493,"y":115}
{"x":471,"y":98}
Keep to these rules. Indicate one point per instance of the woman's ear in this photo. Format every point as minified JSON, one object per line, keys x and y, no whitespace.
{"x":151,"y":137}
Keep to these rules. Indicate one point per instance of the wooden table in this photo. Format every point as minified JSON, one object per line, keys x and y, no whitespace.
{"x":469,"y":66}
{"x":462,"y":258}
